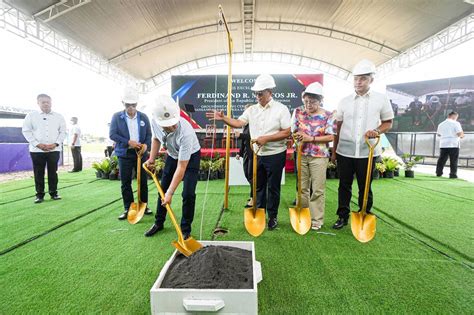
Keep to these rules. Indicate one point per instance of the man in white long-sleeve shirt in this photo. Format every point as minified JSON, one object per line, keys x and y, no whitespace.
{"x":45,"y":130}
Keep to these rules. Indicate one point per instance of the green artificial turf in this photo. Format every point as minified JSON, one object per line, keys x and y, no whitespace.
{"x":98,"y":264}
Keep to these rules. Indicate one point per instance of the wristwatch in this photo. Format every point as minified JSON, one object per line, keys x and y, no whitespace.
{"x":377,"y":130}
{"x":57,"y":145}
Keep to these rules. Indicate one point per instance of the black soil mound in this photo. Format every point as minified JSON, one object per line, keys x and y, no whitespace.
{"x":212,"y":267}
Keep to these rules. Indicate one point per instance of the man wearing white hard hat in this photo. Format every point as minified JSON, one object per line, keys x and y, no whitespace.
{"x":130,"y":130}
{"x":364,"y":113}
{"x":269,"y":124}
{"x":314,"y":128}
{"x":179,"y":139}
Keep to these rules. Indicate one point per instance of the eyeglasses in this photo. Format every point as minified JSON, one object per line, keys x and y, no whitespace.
{"x":311,"y":102}
{"x":260,"y":93}
{"x":127,"y":105}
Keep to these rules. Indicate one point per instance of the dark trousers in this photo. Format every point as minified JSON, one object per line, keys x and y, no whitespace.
{"x":77,"y":158}
{"x":128,"y":163}
{"x":190,"y":180}
{"x":347,"y":168}
{"x":415,"y":116}
{"x":269,"y":170}
{"x":453,"y":154}
{"x":108,"y":151}
{"x":248,"y":169}
{"x":40,"y":161}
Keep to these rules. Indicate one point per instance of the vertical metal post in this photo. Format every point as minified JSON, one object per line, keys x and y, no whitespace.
{"x":229,"y":111}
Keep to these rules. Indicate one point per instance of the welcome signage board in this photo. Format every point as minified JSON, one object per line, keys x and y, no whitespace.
{"x":198,"y":94}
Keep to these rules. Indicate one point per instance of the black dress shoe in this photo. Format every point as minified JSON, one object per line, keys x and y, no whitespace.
{"x":272,"y":224}
{"x":186,"y":236}
{"x":153,"y":230}
{"x":453,"y":176}
{"x":148,"y":211}
{"x":39,"y":200}
{"x":123,"y":216}
{"x":340,"y":223}
{"x":56,"y":197}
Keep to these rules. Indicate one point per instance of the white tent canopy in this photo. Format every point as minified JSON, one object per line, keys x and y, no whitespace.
{"x":146,"y":38}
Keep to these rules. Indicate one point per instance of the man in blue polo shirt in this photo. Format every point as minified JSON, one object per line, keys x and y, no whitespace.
{"x":179,"y":139}
{"x":130,"y":130}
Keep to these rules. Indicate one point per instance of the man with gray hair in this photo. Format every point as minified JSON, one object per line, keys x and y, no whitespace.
{"x":75,"y":144}
{"x":45,"y":131}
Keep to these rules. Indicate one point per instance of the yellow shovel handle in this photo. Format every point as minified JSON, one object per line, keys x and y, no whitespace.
{"x":369,"y":172}
{"x":254,"y":175}
{"x":299,"y":148}
{"x":140,"y":153}
{"x":168,"y":208}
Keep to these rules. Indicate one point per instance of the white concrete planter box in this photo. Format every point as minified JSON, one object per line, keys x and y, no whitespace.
{"x":219,"y":301}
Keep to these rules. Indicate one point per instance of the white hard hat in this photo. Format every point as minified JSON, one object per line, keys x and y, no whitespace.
{"x":130,"y":95}
{"x":314,"y":88}
{"x":364,"y":67}
{"x":263,"y":82}
{"x":165,"y":111}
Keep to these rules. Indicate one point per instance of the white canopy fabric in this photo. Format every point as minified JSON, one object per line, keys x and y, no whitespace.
{"x":147,"y":37}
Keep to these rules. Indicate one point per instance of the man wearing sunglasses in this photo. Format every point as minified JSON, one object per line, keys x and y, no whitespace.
{"x":269,"y":123}
{"x":179,"y":139}
{"x":130,"y":130}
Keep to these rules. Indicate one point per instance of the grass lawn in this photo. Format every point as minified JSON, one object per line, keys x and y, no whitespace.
{"x":421,"y":260}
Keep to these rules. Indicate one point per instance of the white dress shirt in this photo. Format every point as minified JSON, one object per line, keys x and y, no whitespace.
{"x":75,"y":129}
{"x":132,"y":125}
{"x":358,"y":115}
{"x":39,"y":127}
{"x":268,"y":120}
{"x":448,"y":131}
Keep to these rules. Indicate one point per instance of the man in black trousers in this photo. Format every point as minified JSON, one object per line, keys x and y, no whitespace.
{"x":450,"y":133}
{"x":130,"y":129}
{"x":75,"y":143}
{"x":45,"y":131}
{"x":246,"y":153}
{"x":360,"y":115}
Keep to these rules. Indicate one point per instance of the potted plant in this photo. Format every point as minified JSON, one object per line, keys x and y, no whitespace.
{"x":379,"y":170}
{"x":220,"y":166}
{"x":114,"y":168}
{"x":105,"y":168}
{"x":204,"y":166}
{"x":396,"y":172}
{"x":214,"y":165}
{"x":410,"y":162}
{"x":331,"y":170}
{"x":390,"y":166}
{"x":98,"y":170}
